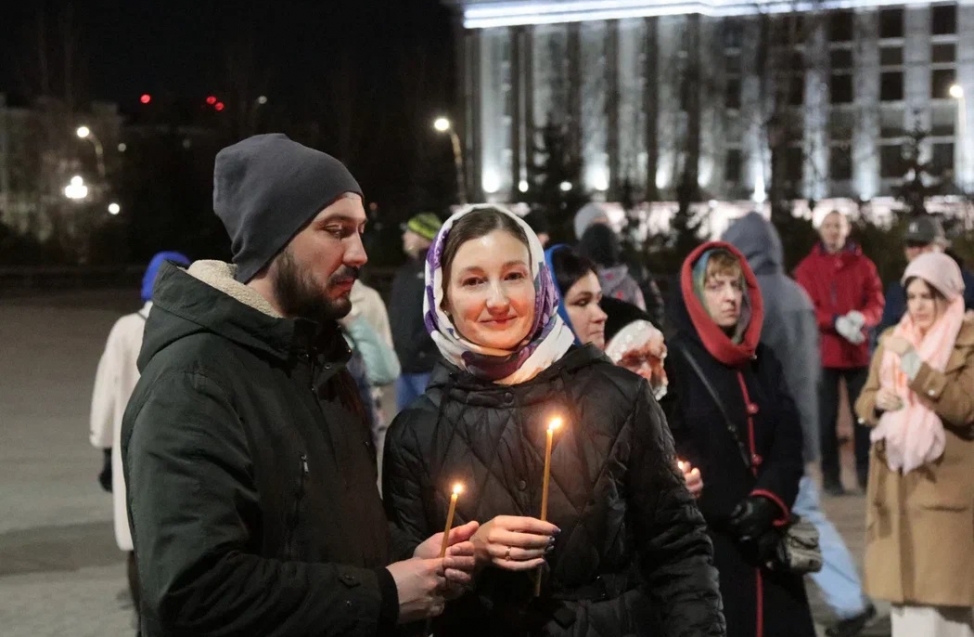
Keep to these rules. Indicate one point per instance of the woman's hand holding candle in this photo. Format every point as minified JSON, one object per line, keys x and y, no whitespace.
{"x":513,"y":543}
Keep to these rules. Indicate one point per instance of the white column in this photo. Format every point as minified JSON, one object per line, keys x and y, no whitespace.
{"x":632,"y":119}
{"x":866,"y":130}
{"x":593,"y":96}
{"x":964,"y":148}
{"x":754,"y":143}
{"x":816,"y":109}
{"x":494,"y":123}
{"x":917,"y":75}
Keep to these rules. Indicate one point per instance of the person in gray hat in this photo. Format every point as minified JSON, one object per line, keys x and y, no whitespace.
{"x":249,"y":463}
{"x":924,"y":234}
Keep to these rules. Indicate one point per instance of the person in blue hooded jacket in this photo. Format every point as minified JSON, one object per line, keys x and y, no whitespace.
{"x":114,"y":381}
{"x":791,"y":333}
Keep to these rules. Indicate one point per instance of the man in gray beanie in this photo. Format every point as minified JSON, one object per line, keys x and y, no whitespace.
{"x":249,"y":461}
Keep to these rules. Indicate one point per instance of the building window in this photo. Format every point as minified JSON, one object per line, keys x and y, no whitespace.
{"x":840,"y":162}
{"x":840,"y":59}
{"x":891,"y":86}
{"x":891,"y":23}
{"x":943,"y":53}
{"x":796,"y":90}
{"x":891,"y":123}
{"x":943,"y":19}
{"x":891,"y":56}
{"x":940,"y":82}
{"x":732,"y":97}
{"x":732,"y":166}
{"x":733,"y":32}
{"x":841,"y":89}
{"x":891,"y":164}
{"x":943,"y":157}
{"x":733,"y":63}
{"x":794,"y":164}
{"x":841,"y":26}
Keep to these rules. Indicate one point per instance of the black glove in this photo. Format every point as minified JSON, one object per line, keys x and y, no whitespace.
{"x":761,"y":550}
{"x":753,"y":517}
{"x":105,"y":477}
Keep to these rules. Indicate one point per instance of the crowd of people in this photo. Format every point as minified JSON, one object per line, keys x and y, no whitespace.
{"x":262,"y":488}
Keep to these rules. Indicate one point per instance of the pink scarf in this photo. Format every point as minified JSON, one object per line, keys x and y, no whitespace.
{"x":914,"y":434}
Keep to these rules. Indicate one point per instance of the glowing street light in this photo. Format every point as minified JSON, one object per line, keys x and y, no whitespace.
{"x":76,"y":190}
{"x":83,"y":132}
{"x":957,"y":91}
{"x":565,"y":186}
{"x":114,"y":208}
{"x":262,"y":100}
{"x":442,"y":125}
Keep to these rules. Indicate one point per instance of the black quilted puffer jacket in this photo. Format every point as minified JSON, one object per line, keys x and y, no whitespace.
{"x":633,"y":556}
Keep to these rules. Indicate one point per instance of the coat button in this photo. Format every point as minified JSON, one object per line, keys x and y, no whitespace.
{"x":931,"y":392}
{"x":522,"y":485}
{"x":508,"y":397}
{"x":349,"y":605}
{"x":752,"y":409}
{"x":756,"y":460}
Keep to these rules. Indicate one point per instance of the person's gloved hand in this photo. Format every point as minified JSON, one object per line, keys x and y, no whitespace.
{"x":105,"y":477}
{"x":761,"y":550}
{"x":753,"y":517}
{"x":857,"y":318}
{"x":849,"y":330}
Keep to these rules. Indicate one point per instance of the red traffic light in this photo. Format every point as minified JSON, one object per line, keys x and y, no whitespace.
{"x":211,"y":100}
{"x":219,"y":106}
{"x":146,"y":98}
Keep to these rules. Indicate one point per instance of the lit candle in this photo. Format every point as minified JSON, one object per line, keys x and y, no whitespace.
{"x":682,"y":464}
{"x":457,"y":489}
{"x":552,"y":426}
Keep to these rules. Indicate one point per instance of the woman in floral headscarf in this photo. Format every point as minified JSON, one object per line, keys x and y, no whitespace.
{"x":624,"y":551}
{"x":920,"y":495}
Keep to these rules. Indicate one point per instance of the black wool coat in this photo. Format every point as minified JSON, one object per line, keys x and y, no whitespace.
{"x":757,"y":602}
{"x":632,"y":558}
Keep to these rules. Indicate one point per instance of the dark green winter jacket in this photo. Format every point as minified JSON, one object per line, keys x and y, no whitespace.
{"x":251,"y":472}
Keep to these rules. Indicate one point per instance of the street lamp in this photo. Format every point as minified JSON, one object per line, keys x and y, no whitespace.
{"x":442,"y":125}
{"x":957,"y":92}
{"x":84,"y":132}
{"x":76,"y":190}
{"x":114,"y":208}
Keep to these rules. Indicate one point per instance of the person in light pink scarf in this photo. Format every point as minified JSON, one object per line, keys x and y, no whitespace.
{"x":913,"y":432}
{"x":919,"y":398}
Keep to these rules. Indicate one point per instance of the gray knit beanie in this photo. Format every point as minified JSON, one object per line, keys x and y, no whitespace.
{"x":266,"y":189}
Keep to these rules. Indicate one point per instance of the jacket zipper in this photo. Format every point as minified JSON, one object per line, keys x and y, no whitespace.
{"x":298,"y":497}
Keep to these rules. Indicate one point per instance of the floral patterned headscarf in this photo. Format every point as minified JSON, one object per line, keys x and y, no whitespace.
{"x":547,"y":340}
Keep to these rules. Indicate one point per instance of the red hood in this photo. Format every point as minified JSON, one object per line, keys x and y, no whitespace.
{"x":713,"y":338}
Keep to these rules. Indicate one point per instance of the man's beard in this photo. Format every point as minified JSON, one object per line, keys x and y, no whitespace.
{"x":299,"y":296}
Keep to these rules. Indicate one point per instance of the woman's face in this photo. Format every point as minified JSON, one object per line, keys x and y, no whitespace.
{"x":723,"y":296}
{"x":490,"y":293}
{"x":582,"y":304}
{"x":923,"y":306}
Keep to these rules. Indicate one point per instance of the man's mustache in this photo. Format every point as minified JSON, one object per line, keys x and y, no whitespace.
{"x":345,"y":274}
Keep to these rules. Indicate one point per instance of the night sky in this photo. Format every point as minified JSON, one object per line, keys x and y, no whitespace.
{"x":182,"y":46}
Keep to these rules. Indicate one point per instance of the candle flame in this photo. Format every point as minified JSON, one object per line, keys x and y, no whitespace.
{"x":554,"y":424}
{"x":457,"y":489}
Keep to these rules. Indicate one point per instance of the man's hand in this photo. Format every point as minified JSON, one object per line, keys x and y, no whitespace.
{"x":420,"y":584}
{"x":460,"y":550}
{"x":514,"y":543}
{"x":692,"y":477}
{"x":849,"y":329}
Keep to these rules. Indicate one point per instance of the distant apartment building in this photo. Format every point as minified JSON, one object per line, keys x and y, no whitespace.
{"x":650,"y":92}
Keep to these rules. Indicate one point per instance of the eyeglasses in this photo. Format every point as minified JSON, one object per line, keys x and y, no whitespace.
{"x":635,"y":361}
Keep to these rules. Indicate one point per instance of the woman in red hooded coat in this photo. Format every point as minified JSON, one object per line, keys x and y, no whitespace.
{"x":732,"y":416}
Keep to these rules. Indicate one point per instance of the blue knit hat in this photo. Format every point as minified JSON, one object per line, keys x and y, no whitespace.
{"x":149,"y":278}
